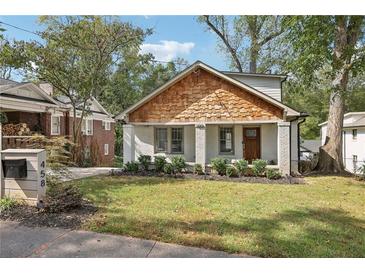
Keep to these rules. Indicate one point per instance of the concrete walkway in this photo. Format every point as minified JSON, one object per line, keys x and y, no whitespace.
{"x":21,"y":241}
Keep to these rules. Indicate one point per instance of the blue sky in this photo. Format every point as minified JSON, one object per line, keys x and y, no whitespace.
{"x":174,"y":36}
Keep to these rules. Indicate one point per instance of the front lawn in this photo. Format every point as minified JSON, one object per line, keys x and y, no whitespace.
{"x":323,"y":218}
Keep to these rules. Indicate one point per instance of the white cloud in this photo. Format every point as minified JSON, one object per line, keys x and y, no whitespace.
{"x":167,"y":50}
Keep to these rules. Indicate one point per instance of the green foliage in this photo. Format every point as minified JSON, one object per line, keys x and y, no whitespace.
{"x":168,"y":168}
{"x":118,"y":143}
{"x":178,"y":163}
{"x":259,"y":167}
{"x":118,"y":161}
{"x":198,"y":169}
{"x":7,"y":204}
{"x":273,"y":174}
{"x":231,"y":171}
{"x":3,"y":118}
{"x":58,"y":150}
{"x":241,"y":166}
{"x":219,"y":165}
{"x":61,"y":196}
{"x":145,"y":161}
{"x":160,"y":162}
{"x":131,"y":167}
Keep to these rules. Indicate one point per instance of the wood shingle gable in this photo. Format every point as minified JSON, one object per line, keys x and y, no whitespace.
{"x":203,"y":96}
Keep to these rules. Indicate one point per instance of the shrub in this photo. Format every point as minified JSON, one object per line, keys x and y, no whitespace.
{"x":118,"y":161}
{"x":145,"y":161}
{"x":160,"y":162}
{"x":242,"y":166}
{"x":168,"y":168}
{"x":58,"y":150}
{"x":178,"y":163}
{"x":7,"y":203}
{"x":198,"y":169}
{"x":131,"y":167}
{"x":231,"y":171}
{"x":273,"y":174}
{"x":61,"y":197}
{"x":259,"y":167}
{"x":219,"y":165}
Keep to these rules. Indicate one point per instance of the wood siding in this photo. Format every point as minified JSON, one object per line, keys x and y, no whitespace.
{"x":269,"y":85}
{"x":204,"y":97}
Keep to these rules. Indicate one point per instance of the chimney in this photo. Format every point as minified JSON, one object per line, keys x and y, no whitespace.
{"x":48,"y":88}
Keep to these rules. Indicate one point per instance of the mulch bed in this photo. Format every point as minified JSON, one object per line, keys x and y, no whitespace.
{"x":32,"y":216}
{"x":213,"y":177}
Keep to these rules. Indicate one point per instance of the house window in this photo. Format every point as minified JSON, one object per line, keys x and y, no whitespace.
{"x":106,"y":125}
{"x":106,"y":149}
{"x":87,"y":127}
{"x":354,"y":158}
{"x":177,"y":140}
{"x":55,"y":125}
{"x":226,"y":140}
{"x":354,"y":134}
{"x":161,"y":140}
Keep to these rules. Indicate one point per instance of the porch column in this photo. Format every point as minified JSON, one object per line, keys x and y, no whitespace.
{"x":200,"y":144}
{"x":128,"y":143}
{"x":284,"y":147}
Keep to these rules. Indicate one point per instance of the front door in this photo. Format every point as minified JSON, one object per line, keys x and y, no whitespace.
{"x":251,"y":143}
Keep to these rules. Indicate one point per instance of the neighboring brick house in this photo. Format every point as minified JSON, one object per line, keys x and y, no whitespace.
{"x":50,"y":116}
{"x":203,"y":113}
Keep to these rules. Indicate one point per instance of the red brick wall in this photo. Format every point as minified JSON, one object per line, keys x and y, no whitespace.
{"x":101,"y":137}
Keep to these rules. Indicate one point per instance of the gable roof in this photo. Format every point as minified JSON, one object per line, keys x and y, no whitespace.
{"x":66,"y":101}
{"x":360,"y":122}
{"x":5,"y":89}
{"x":199,"y":64}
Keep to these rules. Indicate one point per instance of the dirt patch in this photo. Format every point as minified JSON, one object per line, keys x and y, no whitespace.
{"x":34,"y":217}
{"x":214,"y":177}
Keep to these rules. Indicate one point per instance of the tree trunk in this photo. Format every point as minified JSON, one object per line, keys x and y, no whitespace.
{"x":254,"y":49}
{"x":330,"y":154}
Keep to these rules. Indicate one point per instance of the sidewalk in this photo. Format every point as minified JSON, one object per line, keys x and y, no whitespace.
{"x":21,"y":241}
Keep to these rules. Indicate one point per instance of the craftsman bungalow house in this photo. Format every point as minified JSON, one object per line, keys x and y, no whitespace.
{"x":43,"y":113}
{"x":203,"y":113}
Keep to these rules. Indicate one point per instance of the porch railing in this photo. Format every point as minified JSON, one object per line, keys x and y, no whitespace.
{"x":16,"y":142}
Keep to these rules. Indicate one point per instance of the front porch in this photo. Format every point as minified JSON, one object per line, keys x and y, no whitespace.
{"x":201,"y":142}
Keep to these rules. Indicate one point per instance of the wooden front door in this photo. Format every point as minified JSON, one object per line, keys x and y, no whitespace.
{"x":251,"y":143}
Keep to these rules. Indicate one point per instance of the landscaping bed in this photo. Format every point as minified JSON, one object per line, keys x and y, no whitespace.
{"x":211,"y":177}
{"x":32,"y":216}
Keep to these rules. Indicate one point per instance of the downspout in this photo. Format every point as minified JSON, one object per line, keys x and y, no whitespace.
{"x":298,"y":136}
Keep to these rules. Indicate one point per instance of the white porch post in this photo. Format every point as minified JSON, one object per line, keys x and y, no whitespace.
{"x":284,"y":147}
{"x":200,"y":144}
{"x":128,"y":143}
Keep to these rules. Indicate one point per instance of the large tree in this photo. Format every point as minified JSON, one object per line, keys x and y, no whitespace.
{"x":248,"y":41}
{"x":332,"y":47}
{"x":77,"y":55}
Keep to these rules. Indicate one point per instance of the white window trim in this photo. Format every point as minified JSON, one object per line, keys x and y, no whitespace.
{"x":87,"y":129}
{"x":59,"y":125}
{"x":106,"y":149}
{"x":106,"y":125}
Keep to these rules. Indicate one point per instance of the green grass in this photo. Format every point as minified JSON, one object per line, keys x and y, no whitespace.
{"x":323,"y":218}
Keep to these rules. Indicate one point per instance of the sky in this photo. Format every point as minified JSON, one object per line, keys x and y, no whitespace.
{"x":174,"y":36}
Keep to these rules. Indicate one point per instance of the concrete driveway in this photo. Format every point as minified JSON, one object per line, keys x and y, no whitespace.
{"x":72,"y":173}
{"x":17,"y":241}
